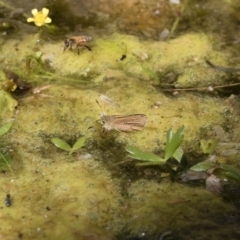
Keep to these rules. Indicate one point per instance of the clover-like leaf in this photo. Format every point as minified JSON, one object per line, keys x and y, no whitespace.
{"x":78,"y":144}
{"x":136,"y":153}
{"x":61,"y":144}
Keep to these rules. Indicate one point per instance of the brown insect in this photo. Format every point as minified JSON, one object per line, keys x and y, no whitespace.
{"x":77,"y":42}
{"x":121,"y":123}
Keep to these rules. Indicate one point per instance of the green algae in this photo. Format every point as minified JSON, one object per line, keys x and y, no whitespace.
{"x":80,"y":196}
{"x":188,"y":49}
{"x":82,"y":192}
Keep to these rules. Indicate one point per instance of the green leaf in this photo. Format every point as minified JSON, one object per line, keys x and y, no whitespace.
{"x":208,"y":146}
{"x":178,"y":154}
{"x":78,"y":144}
{"x":170,"y":134}
{"x":136,"y":153}
{"x":173,"y":142}
{"x":203,"y":166}
{"x":5,"y":128}
{"x":61,"y":144}
{"x":231,"y":172}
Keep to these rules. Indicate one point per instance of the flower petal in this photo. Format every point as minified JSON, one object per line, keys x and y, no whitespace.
{"x":34,"y":11}
{"x":45,"y":11}
{"x":48,"y":20}
{"x":30,"y":20}
{"x":39,"y":24}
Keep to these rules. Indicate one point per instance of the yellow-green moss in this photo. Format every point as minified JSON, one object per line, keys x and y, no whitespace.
{"x":184,"y":55}
{"x":58,"y":196}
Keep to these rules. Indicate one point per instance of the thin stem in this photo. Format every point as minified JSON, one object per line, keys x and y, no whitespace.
{"x":200,"y":88}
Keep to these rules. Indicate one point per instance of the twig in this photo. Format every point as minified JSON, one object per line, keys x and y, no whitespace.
{"x":223,"y":69}
{"x":200,"y":88}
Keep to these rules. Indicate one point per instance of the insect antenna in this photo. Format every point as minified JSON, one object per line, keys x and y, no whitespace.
{"x":103,"y":113}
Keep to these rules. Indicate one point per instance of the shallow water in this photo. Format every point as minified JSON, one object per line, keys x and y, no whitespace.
{"x":98,"y":192}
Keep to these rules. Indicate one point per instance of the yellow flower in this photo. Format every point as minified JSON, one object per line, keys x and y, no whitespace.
{"x":40,"y":17}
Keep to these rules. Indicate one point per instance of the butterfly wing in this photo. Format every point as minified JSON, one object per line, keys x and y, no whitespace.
{"x":128,"y":123}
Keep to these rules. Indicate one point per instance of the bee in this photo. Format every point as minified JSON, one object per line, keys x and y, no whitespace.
{"x":77,"y":42}
{"x":8,"y":201}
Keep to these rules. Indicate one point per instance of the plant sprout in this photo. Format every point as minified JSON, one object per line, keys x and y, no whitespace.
{"x":172,"y":150}
{"x":36,"y":56}
{"x":173,"y":143}
{"x":59,"y":143}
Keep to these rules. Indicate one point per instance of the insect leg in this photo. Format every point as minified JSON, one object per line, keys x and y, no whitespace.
{"x":87,"y":47}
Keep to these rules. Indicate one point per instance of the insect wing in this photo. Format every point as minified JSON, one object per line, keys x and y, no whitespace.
{"x":128,"y":123}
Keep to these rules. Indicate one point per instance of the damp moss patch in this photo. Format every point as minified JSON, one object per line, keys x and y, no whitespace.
{"x":62,"y":196}
{"x":61,"y":200}
{"x":146,"y":60}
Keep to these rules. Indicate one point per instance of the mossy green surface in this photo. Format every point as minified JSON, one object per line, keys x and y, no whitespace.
{"x":61,"y":196}
{"x":185,"y":55}
{"x":183,"y":209}
{"x":55,"y":199}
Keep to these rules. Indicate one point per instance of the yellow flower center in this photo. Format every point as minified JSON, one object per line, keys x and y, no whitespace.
{"x":39,"y":19}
